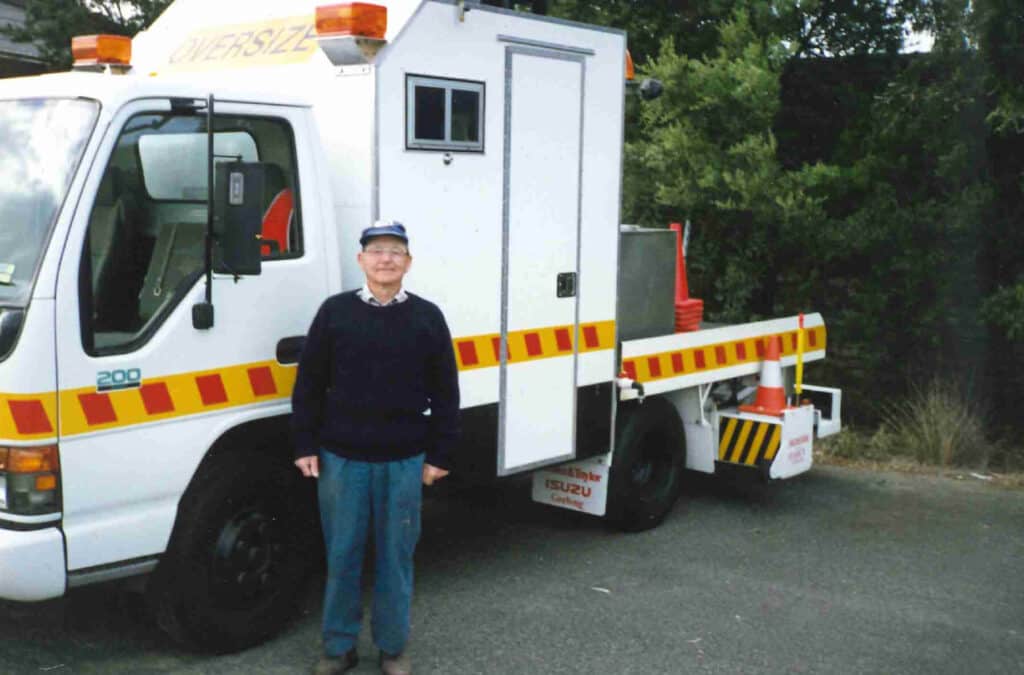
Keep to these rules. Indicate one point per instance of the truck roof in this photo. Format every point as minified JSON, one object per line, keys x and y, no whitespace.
{"x":115,"y":90}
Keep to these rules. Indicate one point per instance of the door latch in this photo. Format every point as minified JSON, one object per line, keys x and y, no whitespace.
{"x":566,"y":286}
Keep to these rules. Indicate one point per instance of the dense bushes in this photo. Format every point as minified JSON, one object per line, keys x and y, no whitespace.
{"x":882,"y":191}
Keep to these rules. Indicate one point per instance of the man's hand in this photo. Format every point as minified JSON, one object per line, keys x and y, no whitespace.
{"x":310,"y":466}
{"x":432,"y":473}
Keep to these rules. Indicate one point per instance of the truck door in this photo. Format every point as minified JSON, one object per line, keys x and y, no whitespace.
{"x":144,"y":394}
{"x":543,"y":142}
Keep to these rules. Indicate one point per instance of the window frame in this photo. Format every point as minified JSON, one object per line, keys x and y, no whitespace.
{"x":146,"y":332}
{"x":448,"y":84}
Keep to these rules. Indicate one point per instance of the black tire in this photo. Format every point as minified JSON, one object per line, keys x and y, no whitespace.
{"x":246,"y":538}
{"x":646,"y":470}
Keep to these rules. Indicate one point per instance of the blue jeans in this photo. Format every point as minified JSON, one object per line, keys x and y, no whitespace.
{"x":353,"y":497}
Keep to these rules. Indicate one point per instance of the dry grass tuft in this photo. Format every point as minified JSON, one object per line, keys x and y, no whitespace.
{"x":937,"y":424}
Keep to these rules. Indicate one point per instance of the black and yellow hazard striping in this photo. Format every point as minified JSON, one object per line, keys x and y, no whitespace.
{"x":746,"y":441}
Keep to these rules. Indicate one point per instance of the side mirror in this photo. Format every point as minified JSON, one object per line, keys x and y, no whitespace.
{"x":238,"y":217}
{"x":651,"y":89}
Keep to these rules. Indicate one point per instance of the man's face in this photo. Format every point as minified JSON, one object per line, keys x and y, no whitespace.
{"x":385,"y":260}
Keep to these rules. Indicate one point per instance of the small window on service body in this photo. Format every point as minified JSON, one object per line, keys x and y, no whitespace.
{"x":444,"y":114}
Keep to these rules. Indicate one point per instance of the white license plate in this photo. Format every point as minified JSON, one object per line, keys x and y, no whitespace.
{"x":3,"y":492}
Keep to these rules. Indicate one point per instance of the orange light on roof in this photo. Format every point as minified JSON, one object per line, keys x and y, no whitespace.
{"x":29,"y":460}
{"x":92,"y":50}
{"x":630,"y":70}
{"x":352,"y":18}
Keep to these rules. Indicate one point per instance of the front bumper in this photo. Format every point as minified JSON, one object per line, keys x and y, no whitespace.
{"x":31,"y":564}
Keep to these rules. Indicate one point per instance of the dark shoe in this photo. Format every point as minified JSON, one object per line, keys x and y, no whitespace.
{"x":335,"y":665}
{"x":399,"y":664}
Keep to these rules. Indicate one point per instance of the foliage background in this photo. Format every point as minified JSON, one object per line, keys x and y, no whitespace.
{"x":824,"y":170}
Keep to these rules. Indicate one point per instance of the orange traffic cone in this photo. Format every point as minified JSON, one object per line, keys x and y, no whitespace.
{"x":771,"y":396}
{"x":689,"y":311}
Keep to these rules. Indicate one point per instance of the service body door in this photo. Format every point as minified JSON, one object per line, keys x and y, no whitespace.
{"x":144,"y":394}
{"x":543,"y":141}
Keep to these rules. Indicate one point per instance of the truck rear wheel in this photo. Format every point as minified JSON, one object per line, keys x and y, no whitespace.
{"x":243,"y":546}
{"x":646,"y":470}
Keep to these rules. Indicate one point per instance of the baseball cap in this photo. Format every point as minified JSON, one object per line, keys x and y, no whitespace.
{"x":384,"y":228}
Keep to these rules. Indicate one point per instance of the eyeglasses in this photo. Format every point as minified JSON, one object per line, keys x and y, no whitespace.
{"x":378,"y":252}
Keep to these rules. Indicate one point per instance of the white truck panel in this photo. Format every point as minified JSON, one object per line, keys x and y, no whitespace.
{"x":346,"y":127}
{"x":31,"y":379}
{"x":539,"y":423}
{"x":710,"y":336}
{"x":453,"y":211}
{"x":656,"y":348}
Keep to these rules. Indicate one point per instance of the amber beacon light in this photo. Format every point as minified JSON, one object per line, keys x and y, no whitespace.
{"x":361,"y":19}
{"x":101,"y":50}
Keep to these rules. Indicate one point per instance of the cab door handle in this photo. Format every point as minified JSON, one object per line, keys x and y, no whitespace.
{"x":289,"y":349}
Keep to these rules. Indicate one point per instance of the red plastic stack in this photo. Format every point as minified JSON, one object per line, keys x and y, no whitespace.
{"x":689,"y":311}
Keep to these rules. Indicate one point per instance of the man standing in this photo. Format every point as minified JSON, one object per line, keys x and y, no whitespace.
{"x":375,"y":412}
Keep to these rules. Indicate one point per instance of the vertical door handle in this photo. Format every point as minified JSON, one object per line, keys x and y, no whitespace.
{"x":566,"y":285}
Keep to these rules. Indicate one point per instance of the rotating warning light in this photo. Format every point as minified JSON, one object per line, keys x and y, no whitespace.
{"x":361,"y":19}
{"x":100,"y":50}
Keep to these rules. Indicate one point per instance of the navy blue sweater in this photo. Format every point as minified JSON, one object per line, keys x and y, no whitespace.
{"x":367,"y":377}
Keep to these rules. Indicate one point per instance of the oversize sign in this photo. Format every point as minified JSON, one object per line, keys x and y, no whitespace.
{"x":279,"y":42}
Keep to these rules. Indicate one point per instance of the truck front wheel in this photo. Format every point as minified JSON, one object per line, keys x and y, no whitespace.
{"x":242,"y":548}
{"x":646,"y":470}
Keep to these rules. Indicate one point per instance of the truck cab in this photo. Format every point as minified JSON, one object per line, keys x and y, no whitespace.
{"x":110,"y":398}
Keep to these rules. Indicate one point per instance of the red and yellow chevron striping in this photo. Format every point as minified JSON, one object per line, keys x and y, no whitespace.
{"x":84,"y":410}
{"x":484,"y":351}
{"x":28,"y":417}
{"x":33,"y":416}
{"x":651,"y":367}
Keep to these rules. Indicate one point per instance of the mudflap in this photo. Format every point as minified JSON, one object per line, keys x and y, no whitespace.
{"x":580,"y":486}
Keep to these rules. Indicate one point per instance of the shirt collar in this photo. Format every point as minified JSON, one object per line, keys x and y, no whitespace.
{"x":366,"y":296}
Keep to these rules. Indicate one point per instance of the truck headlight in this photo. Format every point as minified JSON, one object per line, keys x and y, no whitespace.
{"x":30,"y":480}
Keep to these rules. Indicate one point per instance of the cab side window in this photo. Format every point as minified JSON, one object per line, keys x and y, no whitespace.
{"x":146,"y":241}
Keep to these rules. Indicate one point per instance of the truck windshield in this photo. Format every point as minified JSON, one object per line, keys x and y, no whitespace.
{"x":43,"y":141}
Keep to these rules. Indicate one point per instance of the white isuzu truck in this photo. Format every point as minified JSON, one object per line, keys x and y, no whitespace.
{"x":150,"y":325}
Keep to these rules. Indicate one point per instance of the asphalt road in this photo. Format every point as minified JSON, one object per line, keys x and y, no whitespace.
{"x":839,"y":571}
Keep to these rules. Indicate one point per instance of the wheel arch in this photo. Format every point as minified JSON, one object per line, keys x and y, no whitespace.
{"x":266,"y":437}
{"x":647,"y":463}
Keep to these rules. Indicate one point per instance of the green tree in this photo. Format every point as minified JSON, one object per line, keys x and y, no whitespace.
{"x":693,"y":25}
{"x":999,"y":26}
{"x":845,"y":27}
{"x":810,"y":27}
{"x":708,"y":153}
{"x":50,"y":24}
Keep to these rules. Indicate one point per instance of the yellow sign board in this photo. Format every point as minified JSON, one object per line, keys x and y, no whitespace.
{"x":277,"y":42}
